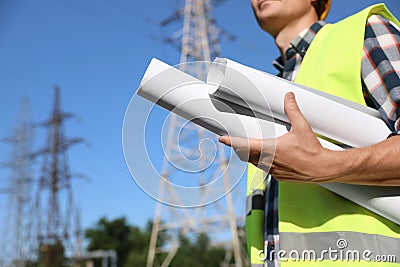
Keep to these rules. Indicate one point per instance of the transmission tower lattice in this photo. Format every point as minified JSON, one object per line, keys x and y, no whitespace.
{"x":17,"y":243}
{"x":54,"y":200}
{"x":198,"y":41}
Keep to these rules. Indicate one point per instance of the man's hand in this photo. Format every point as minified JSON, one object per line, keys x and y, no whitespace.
{"x":298,"y":154}
{"x":300,"y":157}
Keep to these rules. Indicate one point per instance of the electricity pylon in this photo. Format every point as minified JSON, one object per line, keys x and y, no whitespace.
{"x":54,"y":200}
{"x":18,"y":245}
{"x":198,"y":41}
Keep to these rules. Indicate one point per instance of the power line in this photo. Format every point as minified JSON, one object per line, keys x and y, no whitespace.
{"x":110,"y":20}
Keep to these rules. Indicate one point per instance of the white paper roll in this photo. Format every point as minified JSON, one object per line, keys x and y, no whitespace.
{"x":330,"y":116}
{"x":333,"y":117}
{"x":189,"y":98}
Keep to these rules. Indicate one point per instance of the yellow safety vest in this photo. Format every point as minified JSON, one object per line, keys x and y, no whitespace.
{"x":311,"y":218}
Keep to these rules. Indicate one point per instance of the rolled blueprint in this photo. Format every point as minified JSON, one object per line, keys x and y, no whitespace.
{"x":188,"y":97}
{"x":226,"y":112}
{"x":384,"y":201}
{"x":330,"y":116}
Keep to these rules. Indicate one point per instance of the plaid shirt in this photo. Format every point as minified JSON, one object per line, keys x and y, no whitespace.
{"x":380,"y":73}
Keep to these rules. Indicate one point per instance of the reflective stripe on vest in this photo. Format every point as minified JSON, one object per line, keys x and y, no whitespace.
{"x":255,"y":206}
{"x":311,"y":217}
{"x":345,"y":246}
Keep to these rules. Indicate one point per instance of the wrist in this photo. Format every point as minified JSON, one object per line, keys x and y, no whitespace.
{"x":348,"y":165}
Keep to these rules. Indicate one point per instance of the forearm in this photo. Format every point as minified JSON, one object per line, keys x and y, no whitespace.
{"x":375,"y":165}
{"x":298,"y":156}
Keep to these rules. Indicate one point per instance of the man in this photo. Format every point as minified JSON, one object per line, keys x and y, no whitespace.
{"x":300,"y":214}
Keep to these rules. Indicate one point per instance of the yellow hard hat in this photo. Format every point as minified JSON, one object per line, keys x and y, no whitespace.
{"x":326,"y":10}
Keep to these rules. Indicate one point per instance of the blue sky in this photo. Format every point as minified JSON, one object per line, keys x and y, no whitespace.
{"x":96,"y":51}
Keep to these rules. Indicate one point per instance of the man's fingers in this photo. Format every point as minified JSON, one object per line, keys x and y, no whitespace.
{"x":249,"y":146}
{"x":260,"y":152}
{"x":296,"y":118}
{"x":254,"y":145}
{"x":240,"y":145}
{"x":225,"y":140}
{"x":235,"y":142}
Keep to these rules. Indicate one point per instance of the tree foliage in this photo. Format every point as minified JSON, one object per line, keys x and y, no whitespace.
{"x":131,"y":244}
{"x":115,"y":234}
{"x":198,"y":252}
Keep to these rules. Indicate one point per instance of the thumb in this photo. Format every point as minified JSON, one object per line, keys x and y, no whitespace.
{"x":296,"y":118}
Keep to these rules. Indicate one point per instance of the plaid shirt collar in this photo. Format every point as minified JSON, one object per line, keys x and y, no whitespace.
{"x":299,"y":45}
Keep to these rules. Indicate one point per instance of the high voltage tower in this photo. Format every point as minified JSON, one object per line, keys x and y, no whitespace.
{"x":198,"y":40}
{"x":54,"y":201}
{"x":18,"y":246}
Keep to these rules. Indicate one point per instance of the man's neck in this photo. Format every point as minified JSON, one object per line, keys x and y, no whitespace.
{"x":291,"y":31}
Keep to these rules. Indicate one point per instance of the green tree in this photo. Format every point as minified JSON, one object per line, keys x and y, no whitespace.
{"x":132,"y":243}
{"x":138,"y":253}
{"x":114,"y":234}
{"x":198,"y":253}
